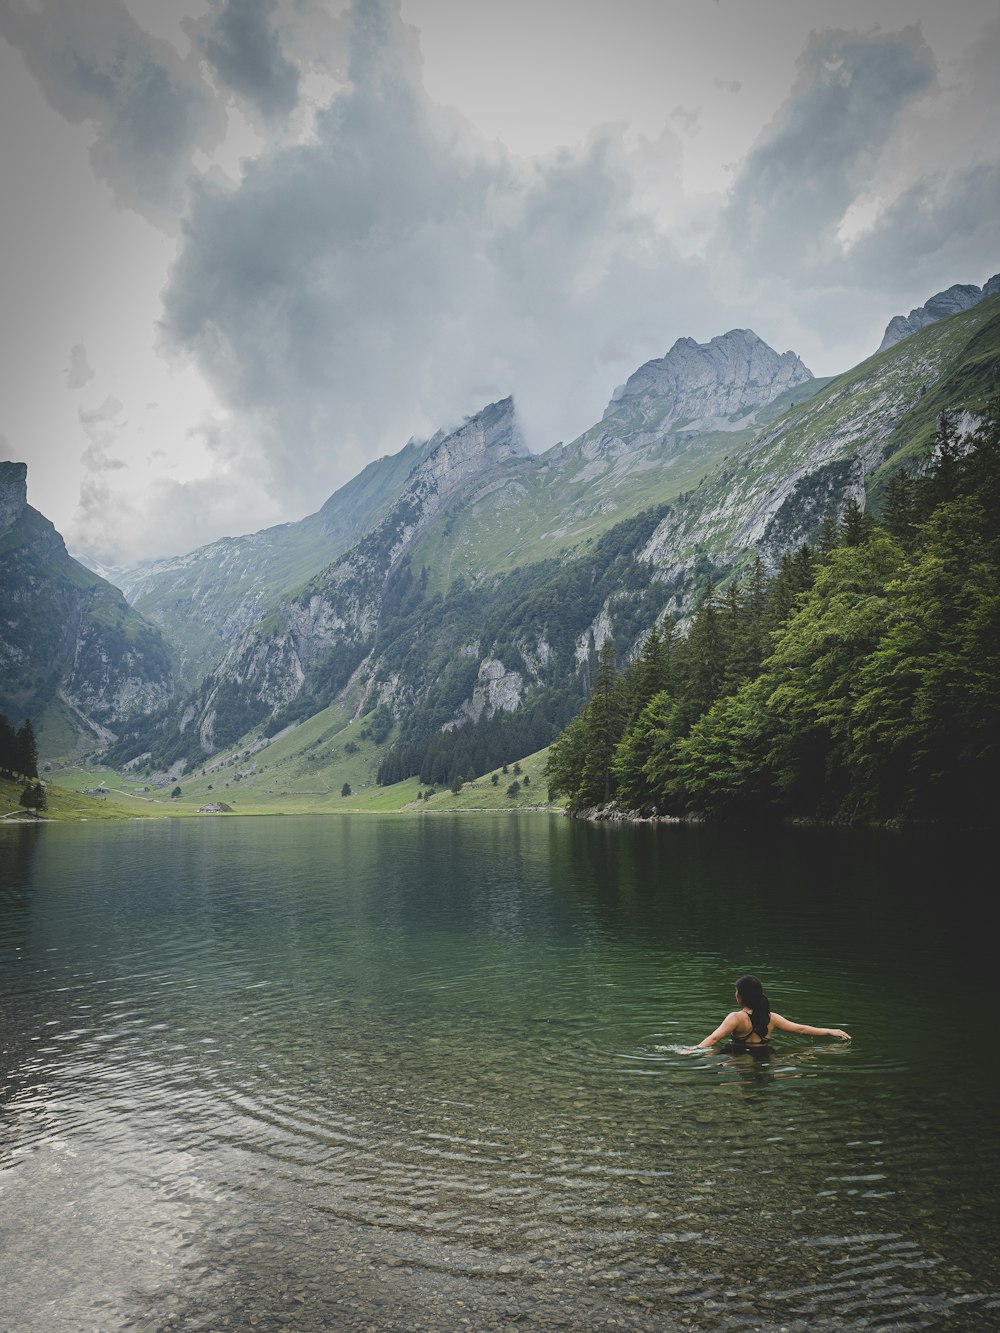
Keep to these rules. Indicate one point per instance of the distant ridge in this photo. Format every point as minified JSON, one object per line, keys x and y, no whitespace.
{"x":952,"y":301}
{"x":708,"y":385}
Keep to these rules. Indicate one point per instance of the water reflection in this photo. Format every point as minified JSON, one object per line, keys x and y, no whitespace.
{"x":352,"y":1073}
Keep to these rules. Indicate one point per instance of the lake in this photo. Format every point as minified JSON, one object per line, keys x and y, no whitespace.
{"x":357,"y":1072}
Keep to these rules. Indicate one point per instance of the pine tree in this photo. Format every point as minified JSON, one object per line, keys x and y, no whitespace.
{"x":898,"y":509}
{"x":34,"y":797}
{"x":605,"y":722}
{"x":855,"y":525}
{"x":794,"y":577}
{"x":26,"y":751}
{"x":829,"y":534}
{"x":745,"y":628}
{"x":706,"y":659}
{"x":8,"y":746}
{"x":649,"y":674}
{"x":636,"y":786}
{"x":565,"y":760}
{"x":944,"y":476}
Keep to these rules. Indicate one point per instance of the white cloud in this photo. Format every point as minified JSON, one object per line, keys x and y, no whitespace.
{"x":150,"y":109}
{"x":808,"y":166}
{"x":355,"y":263}
{"x":397,"y":272}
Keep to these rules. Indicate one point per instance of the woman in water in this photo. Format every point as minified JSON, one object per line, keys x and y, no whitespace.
{"x":749,"y":1028}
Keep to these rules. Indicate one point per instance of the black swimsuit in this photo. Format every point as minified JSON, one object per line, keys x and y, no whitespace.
{"x":741,"y":1045}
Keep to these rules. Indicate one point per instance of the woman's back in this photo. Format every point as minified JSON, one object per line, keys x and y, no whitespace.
{"x":744,"y":1033}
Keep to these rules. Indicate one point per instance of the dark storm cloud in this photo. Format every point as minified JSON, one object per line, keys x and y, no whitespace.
{"x":149,"y":108}
{"x":395,"y":273}
{"x":942,"y":223}
{"x":243,"y":45}
{"x":795,"y":185}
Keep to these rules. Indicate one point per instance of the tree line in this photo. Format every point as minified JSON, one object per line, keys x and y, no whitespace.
{"x":554,"y":601}
{"x":19,"y":759}
{"x":18,"y":749}
{"x":859,"y":683}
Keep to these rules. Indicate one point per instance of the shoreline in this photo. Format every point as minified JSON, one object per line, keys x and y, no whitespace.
{"x":614,"y":815}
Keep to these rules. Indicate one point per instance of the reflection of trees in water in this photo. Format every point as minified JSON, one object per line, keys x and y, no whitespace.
{"x":747,"y":893}
{"x":19,"y":1019}
{"x":18,"y":845}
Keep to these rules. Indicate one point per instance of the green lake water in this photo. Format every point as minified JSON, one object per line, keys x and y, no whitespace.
{"x":387,"y":1073}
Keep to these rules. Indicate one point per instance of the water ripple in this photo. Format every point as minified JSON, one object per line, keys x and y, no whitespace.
{"x":334,"y":1107}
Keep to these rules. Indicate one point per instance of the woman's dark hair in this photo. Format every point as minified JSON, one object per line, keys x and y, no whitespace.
{"x":751,"y":994}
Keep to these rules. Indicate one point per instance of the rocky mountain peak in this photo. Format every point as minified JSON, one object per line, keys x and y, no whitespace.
{"x":490,"y":437}
{"x":953,"y":300}
{"x":13,"y":493}
{"x":708,"y":385}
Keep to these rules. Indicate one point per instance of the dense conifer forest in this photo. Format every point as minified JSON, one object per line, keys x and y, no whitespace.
{"x":860,"y":683}
{"x":18,"y":749}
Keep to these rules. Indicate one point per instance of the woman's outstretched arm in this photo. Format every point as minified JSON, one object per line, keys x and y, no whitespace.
{"x":723,"y":1030}
{"x":786,"y":1025}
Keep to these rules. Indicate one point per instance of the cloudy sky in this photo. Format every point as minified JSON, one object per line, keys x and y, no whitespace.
{"x":249,"y":245}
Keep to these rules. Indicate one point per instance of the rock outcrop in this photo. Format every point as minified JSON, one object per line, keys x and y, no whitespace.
{"x":13,"y":494}
{"x":318,"y":638}
{"x":707,"y":386}
{"x":952,"y":301}
{"x":206,"y":600}
{"x":66,"y":633}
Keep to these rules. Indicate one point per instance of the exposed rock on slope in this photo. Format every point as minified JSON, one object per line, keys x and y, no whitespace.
{"x":383,"y":623}
{"x":320,"y":636}
{"x":707,"y":386}
{"x":963,"y":296}
{"x":814,"y":461}
{"x":206,"y":600}
{"x":66,"y":633}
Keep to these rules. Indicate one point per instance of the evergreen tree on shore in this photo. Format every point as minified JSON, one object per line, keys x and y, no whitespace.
{"x":18,"y":749}
{"x":861,"y":682}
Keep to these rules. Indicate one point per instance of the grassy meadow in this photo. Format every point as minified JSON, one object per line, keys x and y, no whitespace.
{"x":303,"y":771}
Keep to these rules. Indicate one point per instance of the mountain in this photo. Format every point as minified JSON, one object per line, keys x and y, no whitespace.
{"x":73,"y":654}
{"x":705,"y":386}
{"x":205,"y":600}
{"x":683,"y":415}
{"x":310,"y":643}
{"x":840,"y":445}
{"x":475,"y":483}
{"x":963,"y":296}
{"x":464,"y":623}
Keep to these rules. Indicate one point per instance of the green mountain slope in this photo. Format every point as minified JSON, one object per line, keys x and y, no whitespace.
{"x":205,"y":600}
{"x":72,"y":651}
{"x":470,"y":613}
{"x":649,"y":448}
{"x":839,"y":445}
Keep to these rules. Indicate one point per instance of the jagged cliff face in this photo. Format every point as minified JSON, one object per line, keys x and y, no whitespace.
{"x":331,"y":625}
{"x":206,"y":600}
{"x":746,"y":448}
{"x":952,"y":301}
{"x":13,"y":494}
{"x":68,"y":636}
{"x":704,"y":386}
{"x":774,"y":495}
{"x":674,"y":421}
